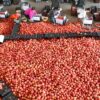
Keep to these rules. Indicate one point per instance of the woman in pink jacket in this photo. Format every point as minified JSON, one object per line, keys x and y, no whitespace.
{"x":31,"y":12}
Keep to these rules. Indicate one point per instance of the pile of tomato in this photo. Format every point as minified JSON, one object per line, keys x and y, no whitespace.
{"x":56,"y":69}
{"x":97,"y":24}
{"x":43,"y":27}
{"x":6,"y":26}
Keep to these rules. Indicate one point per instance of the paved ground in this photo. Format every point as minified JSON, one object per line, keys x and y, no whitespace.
{"x":66,"y":7}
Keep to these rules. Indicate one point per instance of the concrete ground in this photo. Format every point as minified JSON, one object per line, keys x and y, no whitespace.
{"x":65,"y":6}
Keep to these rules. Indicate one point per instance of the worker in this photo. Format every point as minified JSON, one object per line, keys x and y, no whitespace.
{"x":55,"y":4}
{"x":45,"y":11}
{"x":17,"y":16}
{"x":53,"y":14}
{"x":31,"y":12}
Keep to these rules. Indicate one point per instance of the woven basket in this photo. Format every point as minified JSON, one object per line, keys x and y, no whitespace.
{"x":45,"y":19}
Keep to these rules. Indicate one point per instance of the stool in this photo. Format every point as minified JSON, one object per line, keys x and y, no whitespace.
{"x":45,"y":18}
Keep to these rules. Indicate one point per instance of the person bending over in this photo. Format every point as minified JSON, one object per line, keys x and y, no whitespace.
{"x":54,"y":13}
{"x":31,"y":12}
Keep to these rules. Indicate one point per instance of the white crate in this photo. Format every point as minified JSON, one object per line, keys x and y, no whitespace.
{"x":2,"y":16}
{"x":59,"y":21}
{"x":1,"y":38}
{"x":36,"y":18}
{"x":87,"y":22}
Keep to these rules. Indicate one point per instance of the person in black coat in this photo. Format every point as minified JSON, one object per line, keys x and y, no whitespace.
{"x":51,"y":16}
{"x":55,"y":4}
{"x":45,"y":11}
{"x":81,"y":3}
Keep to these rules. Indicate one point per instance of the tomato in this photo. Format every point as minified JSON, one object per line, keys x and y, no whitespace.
{"x":43,"y":28}
{"x":6,"y":26}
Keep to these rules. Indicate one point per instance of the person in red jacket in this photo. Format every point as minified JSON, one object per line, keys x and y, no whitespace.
{"x":17,"y":15}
